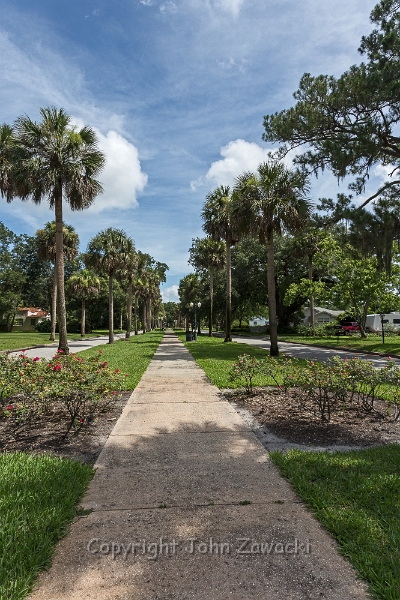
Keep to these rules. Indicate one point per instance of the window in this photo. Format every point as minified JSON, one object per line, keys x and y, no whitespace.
{"x":396,"y":321}
{"x":19,"y":322}
{"x":33,"y":322}
{"x":323,"y":320}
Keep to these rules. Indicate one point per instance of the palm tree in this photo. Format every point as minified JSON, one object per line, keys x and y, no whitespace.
{"x":84,"y":285}
{"x":107,"y":253}
{"x":220,"y":225}
{"x":53,"y":160}
{"x":208,"y":254}
{"x":266,"y":203}
{"x":5,"y":164}
{"x":127,"y":273}
{"x":46,"y":242}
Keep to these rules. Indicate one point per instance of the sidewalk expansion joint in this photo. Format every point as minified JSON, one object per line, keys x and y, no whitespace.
{"x":189,"y":506}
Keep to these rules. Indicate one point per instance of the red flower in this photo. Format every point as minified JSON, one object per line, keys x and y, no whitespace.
{"x":80,"y":420}
{"x":36,"y":359}
{"x":104,"y":363}
{"x":117,"y":370}
{"x":100,"y":351}
{"x":10,"y":407}
{"x":57,"y":367}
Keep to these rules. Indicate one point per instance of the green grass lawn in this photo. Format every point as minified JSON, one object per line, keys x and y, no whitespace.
{"x":372,"y":343}
{"x":129,"y":356}
{"x":356,"y":496}
{"x":16,"y":340}
{"x":38,"y":499}
{"x":216,"y":358}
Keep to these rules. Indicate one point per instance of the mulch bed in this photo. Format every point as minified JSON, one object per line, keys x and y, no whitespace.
{"x":295,"y":419}
{"x":47,"y":435}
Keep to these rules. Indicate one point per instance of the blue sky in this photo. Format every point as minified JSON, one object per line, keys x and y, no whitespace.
{"x":176,"y":90}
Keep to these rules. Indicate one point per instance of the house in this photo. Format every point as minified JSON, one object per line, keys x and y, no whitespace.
{"x":321,"y":315}
{"x":26,"y":319}
{"x":258,"y":324}
{"x":375,"y":324}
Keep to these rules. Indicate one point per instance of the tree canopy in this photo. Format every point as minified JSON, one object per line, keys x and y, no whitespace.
{"x":349,"y":124}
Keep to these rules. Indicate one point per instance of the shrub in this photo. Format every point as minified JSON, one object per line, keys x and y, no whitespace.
{"x":69,"y":388}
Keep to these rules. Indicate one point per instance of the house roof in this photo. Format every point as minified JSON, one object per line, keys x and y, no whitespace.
{"x":328,"y":311}
{"x":33,"y":312}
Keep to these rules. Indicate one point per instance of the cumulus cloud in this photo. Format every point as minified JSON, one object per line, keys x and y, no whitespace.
{"x":238,"y":156}
{"x":146,"y":2}
{"x":122,"y":178}
{"x":170,"y":294}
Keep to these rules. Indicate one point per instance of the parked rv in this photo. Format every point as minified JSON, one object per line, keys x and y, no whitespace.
{"x":373,"y":322}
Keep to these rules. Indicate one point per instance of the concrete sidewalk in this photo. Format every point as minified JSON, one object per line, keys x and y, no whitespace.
{"x":187,"y":504}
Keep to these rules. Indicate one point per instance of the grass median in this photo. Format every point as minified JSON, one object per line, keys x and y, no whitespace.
{"x":130,"y":356}
{"x":38,"y":499}
{"x":372,"y":343}
{"x":356,"y":496}
{"x":217,"y":358}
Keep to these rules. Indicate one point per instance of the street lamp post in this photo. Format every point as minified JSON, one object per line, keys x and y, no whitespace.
{"x":382,"y":316}
{"x":194,"y":305}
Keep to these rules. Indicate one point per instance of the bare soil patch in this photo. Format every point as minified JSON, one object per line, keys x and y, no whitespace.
{"x":293,"y":417}
{"x":46,"y":435}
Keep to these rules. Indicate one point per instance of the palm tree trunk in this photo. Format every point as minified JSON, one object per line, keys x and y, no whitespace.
{"x":54,"y":306}
{"x":210,"y":317}
{"x":273,"y":323}
{"x":62,"y":315}
{"x":144,"y":315}
{"x":310,"y":277}
{"x":228,"y":323}
{"x":110,"y":310}
{"x":129,"y":313}
{"x":149,"y":315}
{"x":136,"y":315}
{"x":83,"y":320}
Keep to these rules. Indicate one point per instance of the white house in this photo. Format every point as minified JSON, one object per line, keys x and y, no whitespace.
{"x":258,"y":324}
{"x":321,"y":315}
{"x":26,"y":319}
{"x":374,"y":321}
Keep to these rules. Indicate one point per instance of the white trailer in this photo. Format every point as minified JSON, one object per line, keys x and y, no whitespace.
{"x":374,"y":321}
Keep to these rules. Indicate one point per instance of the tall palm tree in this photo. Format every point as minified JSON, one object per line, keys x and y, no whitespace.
{"x":46,"y":243}
{"x":52,"y":159}
{"x":127,"y":274}
{"x":5,"y":161}
{"x":220,"y":225}
{"x":107,"y":253}
{"x":208,"y":254}
{"x":267,"y":202}
{"x":84,"y":284}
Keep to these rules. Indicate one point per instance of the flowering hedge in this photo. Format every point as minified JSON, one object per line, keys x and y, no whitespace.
{"x":67,"y":387}
{"x":332,"y":385}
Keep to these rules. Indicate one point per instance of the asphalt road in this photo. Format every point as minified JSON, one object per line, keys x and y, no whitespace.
{"x":312,"y":352}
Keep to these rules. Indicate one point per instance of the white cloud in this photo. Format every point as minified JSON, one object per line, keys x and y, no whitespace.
{"x":146,"y":2}
{"x":170,"y":294}
{"x":383,"y":172}
{"x":238,"y":156}
{"x":122,"y":177}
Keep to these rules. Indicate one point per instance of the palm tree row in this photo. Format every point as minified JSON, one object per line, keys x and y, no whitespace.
{"x":261,"y":204}
{"x":53,"y":160}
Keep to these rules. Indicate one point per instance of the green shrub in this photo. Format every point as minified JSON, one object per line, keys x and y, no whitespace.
{"x":69,"y":387}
